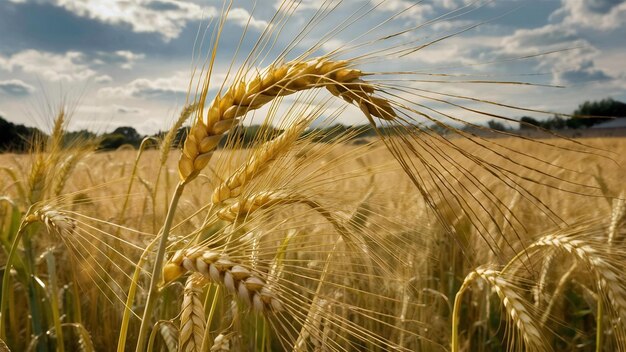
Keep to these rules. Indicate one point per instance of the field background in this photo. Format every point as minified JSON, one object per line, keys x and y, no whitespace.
{"x":360,"y":179}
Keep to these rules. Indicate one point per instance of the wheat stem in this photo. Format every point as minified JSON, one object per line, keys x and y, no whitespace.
{"x":156,"y":272}
{"x":7,"y":272}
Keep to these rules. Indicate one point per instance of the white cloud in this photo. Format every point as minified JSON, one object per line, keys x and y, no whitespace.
{"x":595,"y":14}
{"x":16,"y":87}
{"x":575,"y":64}
{"x":333,"y":44}
{"x":457,"y":51}
{"x":165,"y":17}
{"x":242,"y":16}
{"x":124,"y":58}
{"x":532,"y":41}
{"x":103,"y":79}
{"x":446,"y":25}
{"x":54,"y":67}
{"x":454,"y":4}
{"x":170,"y":87}
{"x":412,"y":10}
{"x":121,"y":109}
{"x":302,"y":5}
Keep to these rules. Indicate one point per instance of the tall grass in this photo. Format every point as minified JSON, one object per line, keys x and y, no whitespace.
{"x":311,"y":239}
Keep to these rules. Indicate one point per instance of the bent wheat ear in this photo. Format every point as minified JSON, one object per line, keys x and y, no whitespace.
{"x":56,"y":222}
{"x":514,"y":304}
{"x":218,"y":268}
{"x":276,"y":81}
{"x":608,"y":274}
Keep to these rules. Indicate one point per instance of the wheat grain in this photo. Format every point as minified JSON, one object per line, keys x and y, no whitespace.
{"x":256,"y":201}
{"x":221,"y":343}
{"x":276,"y":81}
{"x":4,"y":347}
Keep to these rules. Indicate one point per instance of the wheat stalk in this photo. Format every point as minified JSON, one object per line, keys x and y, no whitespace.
{"x":259,"y":161}
{"x":276,"y":81}
{"x":618,"y":215}
{"x":192,"y":319}
{"x":311,"y":329}
{"x":64,"y":172}
{"x":218,"y":268}
{"x":168,"y":140}
{"x":560,"y":288}
{"x":543,"y":278}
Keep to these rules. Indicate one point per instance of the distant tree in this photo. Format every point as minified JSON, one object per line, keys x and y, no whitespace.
{"x":120,"y":136}
{"x":554,"y":123}
{"x":330,"y":133}
{"x":496,"y":125}
{"x":605,"y":107}
{"x":180,"y":137}
{"x":132,"y":136}
{"x":14,"y":137}
{"x":587,"y":113}
{"x":527,"y":123}
{"x":112,"y":141}
{"x":79,"y":137}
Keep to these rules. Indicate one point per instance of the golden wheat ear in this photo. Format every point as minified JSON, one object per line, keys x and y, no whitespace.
{"x":276,"y":81}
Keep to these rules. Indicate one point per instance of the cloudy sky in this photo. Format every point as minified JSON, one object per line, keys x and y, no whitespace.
{"x":129,"y":62}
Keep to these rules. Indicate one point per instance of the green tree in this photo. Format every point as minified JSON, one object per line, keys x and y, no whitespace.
{"x":528,"y":122}
{"x":120,"y":136}
{"x":14,"y":137}
{"x":590,"y":113}
{"x":496,"y":125}
{"x":130,"y":135}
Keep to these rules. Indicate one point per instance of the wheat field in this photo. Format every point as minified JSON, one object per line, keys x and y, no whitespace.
{"x":311,"y":239}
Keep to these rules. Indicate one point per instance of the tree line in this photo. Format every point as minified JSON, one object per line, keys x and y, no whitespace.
{"x":588,"y":114}
{"x":18,"y":138}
